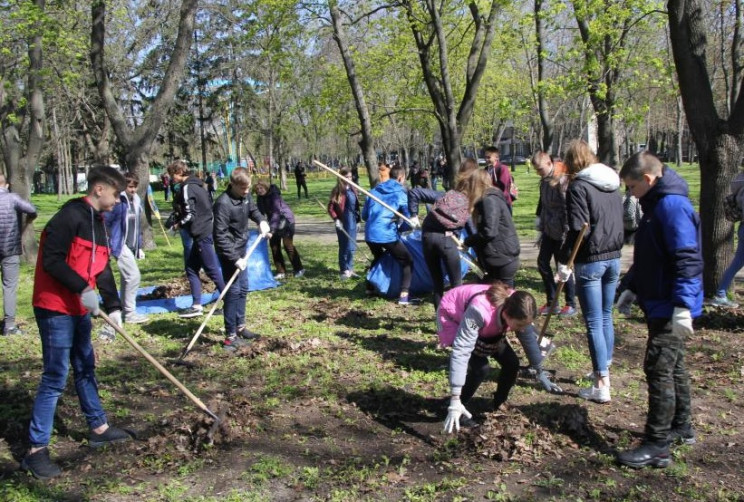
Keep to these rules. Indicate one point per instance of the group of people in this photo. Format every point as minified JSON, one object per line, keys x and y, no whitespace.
{"x":665,"y":279}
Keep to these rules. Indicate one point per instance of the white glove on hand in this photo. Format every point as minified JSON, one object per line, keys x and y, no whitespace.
{"x":172,"y":231}
{"x":140,"y":254}
{"x":543,"y":377}
{"x":90,"y":301}
{"x":415,"y":223}
{"x":682,"y":322}
{"x":338,"y":224}
{"x":454,"y":412}
{"x":241,"y":263}
{"x":115,"y":316}
{"x":624,"y":301}
{"x":537,"y":224}
{"x":264,"y":228}
{"x":563,"y":274}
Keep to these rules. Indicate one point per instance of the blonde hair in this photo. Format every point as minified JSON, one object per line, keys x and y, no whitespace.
{"x":240,"y":177}
{"x":261,"y":183}
{"x":476,"y":186}
{"x":579,"y":156}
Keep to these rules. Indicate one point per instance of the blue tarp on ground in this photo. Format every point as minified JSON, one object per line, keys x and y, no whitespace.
{"x":386,"y":273}
{"x":259,"y":277}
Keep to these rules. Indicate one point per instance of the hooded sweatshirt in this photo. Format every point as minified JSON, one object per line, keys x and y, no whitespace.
{"x":195,"y":207}
{"x":667,"y":269}
{"x":593,"y":197}
{"x":496,"y":243}
{"x":381,"y":227}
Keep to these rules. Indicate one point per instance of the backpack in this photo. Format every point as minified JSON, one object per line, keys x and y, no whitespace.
{"x":452,"y":209}
{"x":632,"y":213}
{"x":731,"y":210}
{"x":513,"y":190}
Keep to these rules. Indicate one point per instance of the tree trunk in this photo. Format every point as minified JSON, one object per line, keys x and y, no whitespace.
{"x":137,"y":142}
{"x":366,"y":142}
{"x":542,"y":105}
{"x":719,"y":140}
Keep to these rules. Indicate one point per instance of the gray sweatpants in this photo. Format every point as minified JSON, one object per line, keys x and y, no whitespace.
{"x":10,"y":267}
{"x":130,"y":280}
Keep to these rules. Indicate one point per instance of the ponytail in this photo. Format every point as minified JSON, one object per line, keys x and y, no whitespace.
{"x":519,"y":305}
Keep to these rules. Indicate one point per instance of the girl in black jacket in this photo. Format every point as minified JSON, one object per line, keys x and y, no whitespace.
{"x":496,"y":243}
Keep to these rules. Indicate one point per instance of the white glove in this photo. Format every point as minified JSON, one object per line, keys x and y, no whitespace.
{"x":455,"y":410}
{"x":338,"y":224}
{"x":264,"y":228}
{"x":682,"y":322}
{"x":115,"y":316}
{"x":172,"y":231}
{"x":90,"y":301}
{"x":140,"y":254}
{"x":543,"y":377}
{"x":414,"y":222}
{"x":625,"y":301}
{"x":241,"y":263}
{"x":563,"y":274}
{"x":537,"y":224}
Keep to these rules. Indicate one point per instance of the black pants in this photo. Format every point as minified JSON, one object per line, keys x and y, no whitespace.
{"x":439,"y":248}
{"x":668,"y":382}
{"x":285,"y":237}
{"x":401,"y":255}
{"x":504,"y":273}
{"x":478,"y":370}
{"x":548,"y":250}
{"x":301,"y":184}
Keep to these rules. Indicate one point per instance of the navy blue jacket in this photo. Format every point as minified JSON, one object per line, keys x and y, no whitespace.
{"x":667,"y":269}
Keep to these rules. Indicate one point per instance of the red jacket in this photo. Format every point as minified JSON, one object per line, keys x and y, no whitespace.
{"x":74,"y":254}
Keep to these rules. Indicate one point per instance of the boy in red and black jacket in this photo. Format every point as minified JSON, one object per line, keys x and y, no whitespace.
{"x":73,"y":260}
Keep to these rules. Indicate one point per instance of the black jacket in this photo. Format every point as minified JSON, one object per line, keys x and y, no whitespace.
{"x":496,"y":242}
{"x":231,"y":217}
{"x":593,"y":197}
{"x":194,"y":206}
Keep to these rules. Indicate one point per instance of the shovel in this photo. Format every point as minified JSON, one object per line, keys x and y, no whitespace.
{"x":558,"y":290}
{"x":222,"y":295}
{"x":160,"y":367}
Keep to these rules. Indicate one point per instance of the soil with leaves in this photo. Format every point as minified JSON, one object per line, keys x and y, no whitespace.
{"x":343,"y":398}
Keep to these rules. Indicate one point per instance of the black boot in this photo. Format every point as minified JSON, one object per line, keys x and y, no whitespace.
{"x":40,"y":465}
{"x":682,"y":435}
{"x":648,"y":454}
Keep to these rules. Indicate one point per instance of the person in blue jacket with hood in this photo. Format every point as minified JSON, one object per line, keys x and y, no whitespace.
{"x":381,"y":229}
{"x":667,"y":280}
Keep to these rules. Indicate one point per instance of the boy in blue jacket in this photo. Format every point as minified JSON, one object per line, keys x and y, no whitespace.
{"x":381,"y":229}
{"x":666,"y":278}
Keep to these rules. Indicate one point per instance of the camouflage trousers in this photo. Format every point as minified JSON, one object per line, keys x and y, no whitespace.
{"x":668,"y":382}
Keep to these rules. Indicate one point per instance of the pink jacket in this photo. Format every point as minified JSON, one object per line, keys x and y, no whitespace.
{"x":452,"y":310}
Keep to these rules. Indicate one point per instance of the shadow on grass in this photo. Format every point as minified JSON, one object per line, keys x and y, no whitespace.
{"x":569,"y":419}
{"x":398,"y":409}
{"x":406,"y":354}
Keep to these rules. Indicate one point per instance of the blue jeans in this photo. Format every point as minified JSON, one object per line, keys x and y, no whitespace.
{"x":735,"y":266}
{"x":595,"y":286}
{"x":65,"y":340}
{"x":234,"y":301}
{"x":202,"y":255}
{"x":346,"y":248}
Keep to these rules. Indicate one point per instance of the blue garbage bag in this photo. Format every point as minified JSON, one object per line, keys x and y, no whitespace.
{"x":386,"y":274}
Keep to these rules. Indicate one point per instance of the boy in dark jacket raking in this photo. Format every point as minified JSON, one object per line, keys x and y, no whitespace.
{"x":73,"y":259}
{"x":232,"y":210}
{"x":194,"y":207}
{"x":666,"y":278}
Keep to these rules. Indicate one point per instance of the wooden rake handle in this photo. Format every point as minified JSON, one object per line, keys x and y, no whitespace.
{"x":559,"y":289}
{"x":159,"y":366}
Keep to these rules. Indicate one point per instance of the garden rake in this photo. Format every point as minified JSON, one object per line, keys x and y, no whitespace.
{"x":160,"y":367}
{"x":222,"y":295}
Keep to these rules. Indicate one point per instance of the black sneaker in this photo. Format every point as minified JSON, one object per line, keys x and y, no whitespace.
{"x":233,"y":343}
{"x":247,"y":335}
{"x":646,"y":455}
{"x":109,"y":436}
{"x":40,"y":465}
{"x":218,"y":312}
{"x":190,"y":312}
{"x":684,"y":435}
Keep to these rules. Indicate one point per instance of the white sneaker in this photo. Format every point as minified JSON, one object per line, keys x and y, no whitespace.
{"x":596,"y":394}
{"x":135,"y":318}
{"x":346,"y":274}
{"x":300,"y":273}
{"x":279,"y":277}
